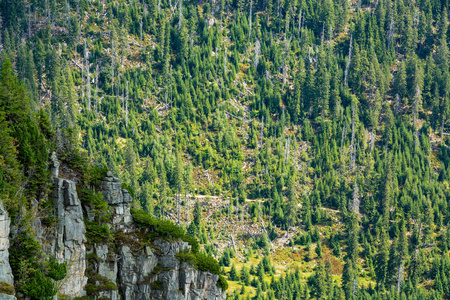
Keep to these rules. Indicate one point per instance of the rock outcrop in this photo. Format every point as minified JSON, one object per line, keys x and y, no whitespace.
{"x":125,"y":270}
{"x":6,"y":276}
{"x":68,"y":244}
{"x":119,"y":199}
{"x":143,"y":274}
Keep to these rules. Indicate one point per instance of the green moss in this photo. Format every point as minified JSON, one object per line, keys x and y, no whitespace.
{"x":6,"y":288}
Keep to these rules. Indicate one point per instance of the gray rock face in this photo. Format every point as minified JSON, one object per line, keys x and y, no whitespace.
{"x":119,"y":199}
{"x":55,"y":166}
{"x":108,"y":269}
{"x":5,"y":269}
{"x":7,"y":297}
{"x":68,"y":244}
{"x":145,"y":275}
{"x":112,"y":190}
{"x":138,"y":273}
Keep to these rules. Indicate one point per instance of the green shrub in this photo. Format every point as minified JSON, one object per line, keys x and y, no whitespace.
{"x":40,"y":287}
{"x":94,"y":200}
{"x":57,"y":271}
{"x":93,"y":258}
{"x":97,"y":234}
{"x":128,"y":188}
{"x":162,"y":228}
{"x":201,"y":261}
{"x":195,"y":247}
{"x":22,"y":257}
{"x":93,"y":175}
{"x":222,"y":283}
{"x":207,"y":263}
{"x":156,"y":285}
{"x":186,"y":256}
{"x":167,"y":229}
{"x":97,"y":283}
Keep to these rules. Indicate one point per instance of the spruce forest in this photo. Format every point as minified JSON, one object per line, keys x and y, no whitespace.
{"x":304,"y":143}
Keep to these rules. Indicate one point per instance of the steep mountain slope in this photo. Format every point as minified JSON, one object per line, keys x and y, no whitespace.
{"x":309,"y":134}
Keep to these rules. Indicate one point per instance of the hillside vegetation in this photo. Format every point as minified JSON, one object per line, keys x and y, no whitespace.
{"x":304,"y":143}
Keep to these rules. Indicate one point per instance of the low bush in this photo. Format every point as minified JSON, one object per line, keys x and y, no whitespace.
{"x":163,"y":228}
{"x":222,"y":283}
{"x":156,"y":285}
{"x":128,"y":188}
{"x":203,"y":262}
{"x":97,"y":283}
{"x":94,"y":174}
{"x":94,"y":200}
{"x":167,"y":229}
{"x":186,"y":256}
{"x":98,"y":233}
{"x":57,"y":271}
{"x":207,"y":263}
{"x":40,"y":287}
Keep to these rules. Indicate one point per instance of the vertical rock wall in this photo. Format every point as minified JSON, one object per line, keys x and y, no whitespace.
{"x":69,"y":240}
{"x":6,"y":276}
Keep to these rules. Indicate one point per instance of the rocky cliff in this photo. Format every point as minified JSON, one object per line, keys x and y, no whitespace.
{"x":118,"y":268}
{"x":6,"y":276}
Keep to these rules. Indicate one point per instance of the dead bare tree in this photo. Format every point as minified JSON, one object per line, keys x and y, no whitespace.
{"x":352,"y":144}
{"x":126,"y":109}
{"x":348,"y":62}
{"x":96,"y":91}
{"x":287,"y":150}
{"x":355,"y":199}
{"x":257,"y":53}
{"x":180,"y":16}
{"x":140,"y":36}
{"x":397,"y":103}
{"x":250,"y":23}
{"x":262,"y":132}
{"x":88,"y":80}
{"x":299,"y":21}
{"x":286,"y":60}
{"x":400,"y":275}
{"x":225,"y":61}
{"x":417,"y":97}
{"x":390,"y":35}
